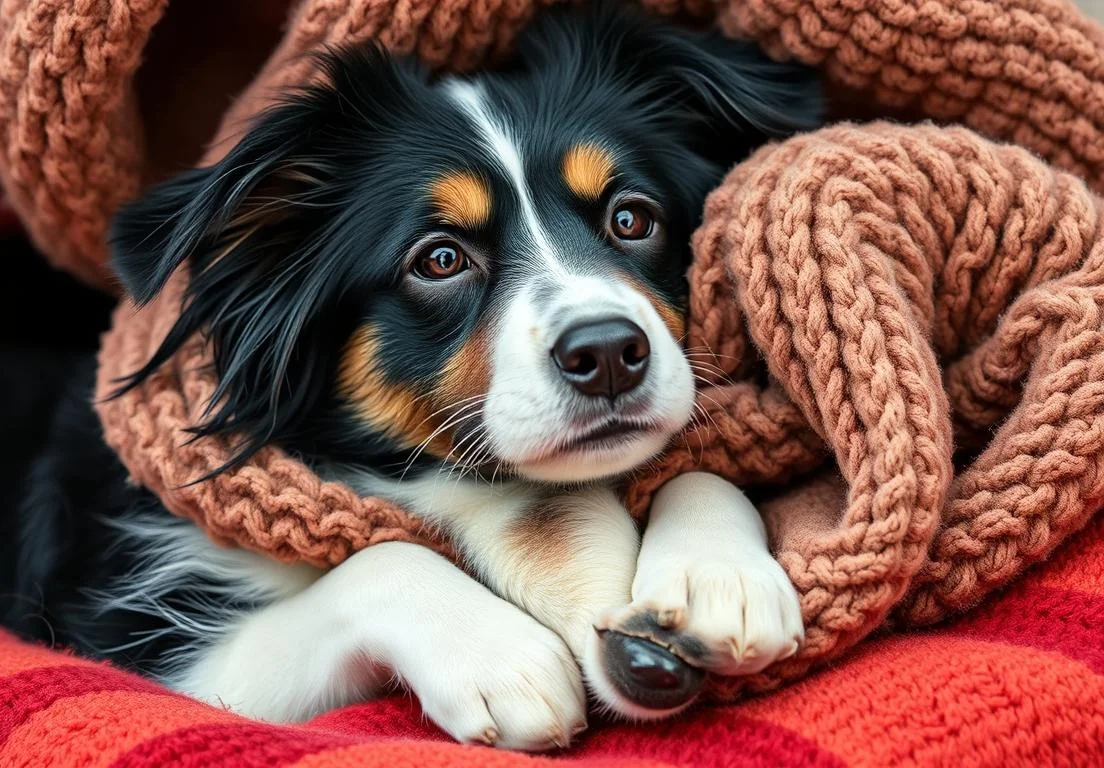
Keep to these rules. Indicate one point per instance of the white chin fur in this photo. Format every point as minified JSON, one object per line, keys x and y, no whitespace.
{"x":586,"y":465}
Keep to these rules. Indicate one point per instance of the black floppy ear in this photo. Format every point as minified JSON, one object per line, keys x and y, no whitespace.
{"x":252,"y":230}
{"x":734,"y":85}
{"x":269,"y":178}
{"x":721,"y":89}
{"x":200,"y":211}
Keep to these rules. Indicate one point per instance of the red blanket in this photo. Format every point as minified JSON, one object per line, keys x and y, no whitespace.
{"x":1019,"y":681}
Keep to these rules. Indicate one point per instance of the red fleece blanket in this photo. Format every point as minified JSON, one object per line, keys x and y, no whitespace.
{"x":1019,"y":681}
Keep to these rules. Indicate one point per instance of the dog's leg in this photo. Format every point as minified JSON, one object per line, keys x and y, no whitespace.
{"x":566,"y":559}
{"x":571,"y":561}
{"x":483,"y":670}
{"x":707,"y":585}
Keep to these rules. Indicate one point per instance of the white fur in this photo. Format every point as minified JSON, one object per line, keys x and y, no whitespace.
{"x":482,"y":669}
{"x":596,"y":553}
{"x":171,"y":554}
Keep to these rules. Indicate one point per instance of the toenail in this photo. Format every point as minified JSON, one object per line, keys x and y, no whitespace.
{"x":669,"y":619}
{"x":490,"y":737}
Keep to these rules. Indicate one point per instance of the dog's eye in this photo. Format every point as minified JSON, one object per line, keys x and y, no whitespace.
{"x":631,"y":221}
{"x":441,"y":261}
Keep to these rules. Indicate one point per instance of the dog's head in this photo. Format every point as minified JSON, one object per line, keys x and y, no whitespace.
{"x":394,"y":269}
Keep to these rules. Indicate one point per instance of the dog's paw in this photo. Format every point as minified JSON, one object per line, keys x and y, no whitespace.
{"x":732,"y":617}
{"x":729,"y":618}
{"x":517,"y":686}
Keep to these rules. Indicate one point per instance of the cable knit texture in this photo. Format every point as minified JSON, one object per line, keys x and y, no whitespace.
{"x":909,"y":289}
{"x":71,"y":139}
{"x":1031,"y":71}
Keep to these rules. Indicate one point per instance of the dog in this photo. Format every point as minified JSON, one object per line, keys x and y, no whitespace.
{"x":467,"y":295}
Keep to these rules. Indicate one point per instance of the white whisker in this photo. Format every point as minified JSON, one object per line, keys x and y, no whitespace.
{"x":465,"y":412}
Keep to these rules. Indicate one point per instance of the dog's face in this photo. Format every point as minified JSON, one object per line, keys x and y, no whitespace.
{"x":397,"y":271}
{"x":534,"y":311}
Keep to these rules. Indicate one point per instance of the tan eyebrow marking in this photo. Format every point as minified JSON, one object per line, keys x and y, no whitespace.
{"x":462,"y":199}
{"x":587,"y":169}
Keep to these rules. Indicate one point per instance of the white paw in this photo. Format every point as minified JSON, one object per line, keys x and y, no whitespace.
{"x":508,"y":683}
{"x":725,"y":617}
{"x":730,"y":617}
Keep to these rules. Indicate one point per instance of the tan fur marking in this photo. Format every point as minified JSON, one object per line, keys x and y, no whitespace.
{"x":557,"y":546}
{"x":462,"y":199}
{"x":670,"y":316}
{"x":467,"y":373}
{"x":402,"y":414}
{"x":587,"y":169}
{"x":543,"y":537}
{"x":394,"y":410}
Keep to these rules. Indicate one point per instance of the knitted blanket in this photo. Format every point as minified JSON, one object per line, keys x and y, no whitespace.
{"x":1019,"y":682}
{"x":910,"y":292}
{"x":83,"y":126}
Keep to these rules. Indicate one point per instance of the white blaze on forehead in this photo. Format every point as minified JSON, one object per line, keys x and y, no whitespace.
{"x":502,"y":145}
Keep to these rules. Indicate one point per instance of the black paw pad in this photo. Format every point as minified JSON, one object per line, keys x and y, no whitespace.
{"x":647,"y":674}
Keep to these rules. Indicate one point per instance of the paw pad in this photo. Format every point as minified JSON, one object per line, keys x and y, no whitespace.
{"x":648,"y":674}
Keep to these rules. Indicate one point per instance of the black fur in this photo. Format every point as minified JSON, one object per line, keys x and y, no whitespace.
{"x":298,"y":237}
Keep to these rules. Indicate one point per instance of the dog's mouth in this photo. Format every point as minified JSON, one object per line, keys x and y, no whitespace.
{"x":604,"y":449}
{"x":608,"y":435}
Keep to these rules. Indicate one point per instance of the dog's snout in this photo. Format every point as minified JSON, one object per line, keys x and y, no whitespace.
{"x":605,"y":358}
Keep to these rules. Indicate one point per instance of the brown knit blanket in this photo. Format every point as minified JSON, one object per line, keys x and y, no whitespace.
{"x":923,"y":299}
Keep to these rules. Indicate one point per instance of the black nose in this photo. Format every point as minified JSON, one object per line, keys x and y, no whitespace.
{"x":603,"y":358}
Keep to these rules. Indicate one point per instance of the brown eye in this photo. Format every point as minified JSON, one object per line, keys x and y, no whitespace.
{"x":441,"y":261}
{"x":631,"y":221}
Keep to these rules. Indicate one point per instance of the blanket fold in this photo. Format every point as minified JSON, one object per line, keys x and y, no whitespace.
{"x":910,"y":287}
{"x":920,"y":304}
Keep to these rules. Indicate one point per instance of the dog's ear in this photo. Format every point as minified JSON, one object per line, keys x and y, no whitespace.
{"x":268,"y":178}
{"x":722,"y":90}
{"x":198,"y":215}
{"x":250,"y":229}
